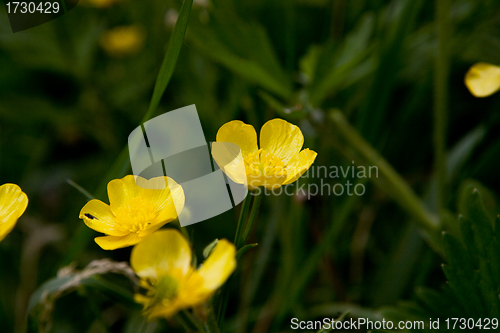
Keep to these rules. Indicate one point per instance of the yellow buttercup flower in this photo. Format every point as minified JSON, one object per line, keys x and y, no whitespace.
{"x":137,"y":208}
{"x":123,"y":40}
{"x":279,"y":161}
{"x":13,"y":203}
{"x":483,"y":79}
{"x":163,"y":263}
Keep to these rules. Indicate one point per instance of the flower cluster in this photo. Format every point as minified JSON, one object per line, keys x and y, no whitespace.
{"x":163,"y":258}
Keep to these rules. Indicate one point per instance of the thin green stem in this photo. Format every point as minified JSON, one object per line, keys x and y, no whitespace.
{"x":390,"y":181}
{"x":224,"y":295}
{"x":251,"y":219}
{"x":193,"y":321}
{"x":312,"y":261}
{"x":211,"y":323}
{"x":441,"y":73}
{"x":242,"y":219}
{"x":181,"y":319}
{"x":80,"y":189}
{"x":144,"y":326}
{"x":245,"y":224}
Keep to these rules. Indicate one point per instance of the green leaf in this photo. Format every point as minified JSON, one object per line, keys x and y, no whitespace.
{"x":42,"y":301}
{"x":461,"y":276}
{"x":373,"y":112}
{"x":170,"y":59}
{"x":244,"y":48}
{"x":488,"y":198}
{"x":459,"y":154}
{"x":473,"y":269}
{"x":434,"y":302}
{"x":468,"y":238}
{"x":476,"y":212}
{"x":244,"y":249}
{"x":331,"y":64}
{"x":208,"y":249}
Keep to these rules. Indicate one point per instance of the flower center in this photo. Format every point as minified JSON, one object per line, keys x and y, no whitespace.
{"x":136,"y":214}
{"x":264,"y":168}
{"x":161,"y":291}
{"x":166,"y":288}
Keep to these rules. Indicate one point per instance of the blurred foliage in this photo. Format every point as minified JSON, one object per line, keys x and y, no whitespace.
{"x":67,"y":108}
{"x":472,"y":272}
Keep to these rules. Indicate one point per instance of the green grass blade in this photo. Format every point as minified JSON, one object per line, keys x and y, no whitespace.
{"x":122,"y":163}
{"x":171,"y":56}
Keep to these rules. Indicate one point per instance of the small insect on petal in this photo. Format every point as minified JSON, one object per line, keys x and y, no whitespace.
{"x":92,"y":217}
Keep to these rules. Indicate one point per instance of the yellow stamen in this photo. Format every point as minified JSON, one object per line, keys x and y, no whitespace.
{"x":264,"y":163}
{"x":136,"y":214}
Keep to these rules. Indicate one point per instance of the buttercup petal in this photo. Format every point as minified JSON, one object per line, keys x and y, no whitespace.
{"x":230,"y":160}
{"x":162,"y":251}
{"x":299,"y":164}
{"x":242,"y":134}
{"x":13,"y":203}
{"x":162,"y":311}
{"x":281,"y":138}
{"x":122,"y":190}
{"x":117,"y":242}
{"x":483,"y":79}
{"x":166,"y":196}
{"x":218,"y":267}
{"x":98,"y":216}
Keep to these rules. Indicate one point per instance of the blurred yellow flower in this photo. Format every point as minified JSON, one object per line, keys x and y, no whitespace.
{"x":279,"y":161}
{"x":123,"y":40}
{"x":163,"y":263}
{"x":13,"y":203}
{"x":100,"y":3}
{"x":137,"y":208}
{"x":483,"y":79}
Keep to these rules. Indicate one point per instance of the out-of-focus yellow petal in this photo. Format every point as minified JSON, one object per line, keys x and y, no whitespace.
{"x":483,"y":79}
{"x":162,"y":311}
{"x":281,"y":138}
{"x":218,"y":267}
{"x":13,"y":203}
{"x":98,"y":216}
{"x":161,"y":252}
{"x":242,"y":134}
{"x":100,"y":3}
{"x":117,"y":242}
{"x":299,"y":164}
{"x":124,"y":40}
{"x":163,"y":262}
